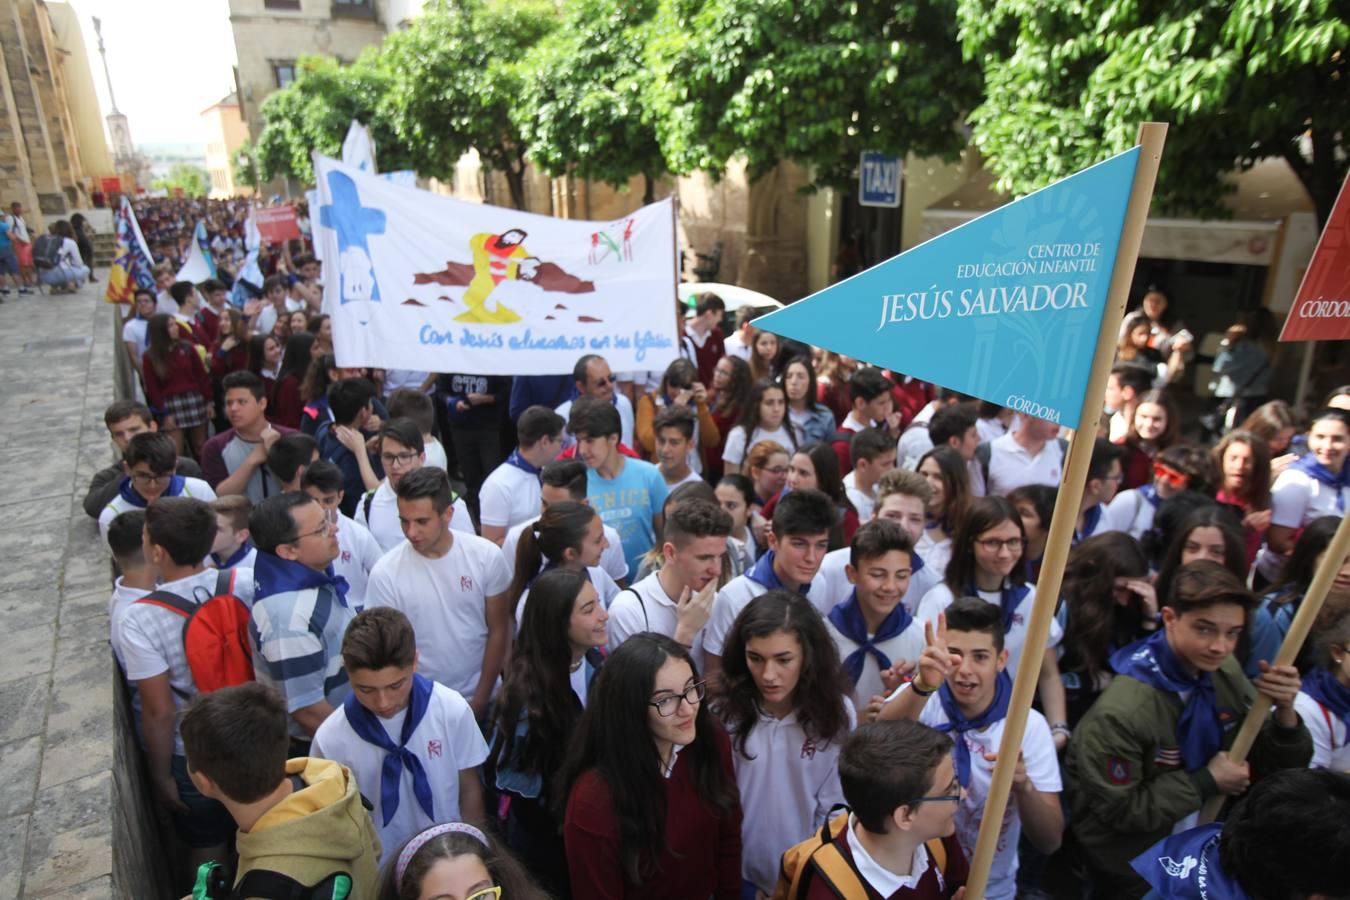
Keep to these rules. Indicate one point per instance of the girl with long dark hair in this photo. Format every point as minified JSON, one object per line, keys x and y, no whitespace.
{"x":264,"y":358}
{"x":1242,"y":461}
{"x":816,"y":467}
{"x":1316,"y":485}
{"x":784,"y":702}
{"x":736,"y":495}
{"x":989,"y":561}
{"x":946,"y":473}
{"x":679,"y":387}
{"x":765,"y":348}
{"x":456,"y":859}
{"x":322,"y":372}
{"x":652,"y":809}
{"x":285,"y":404}
{"x":1155,"y":427}
{"x":764,"y":418}
{"x":177,"y":384}
{"x":569,"y":535}
{"x":556,"y":657}
{"x":815,"y":421}
{"x":727,"y":397}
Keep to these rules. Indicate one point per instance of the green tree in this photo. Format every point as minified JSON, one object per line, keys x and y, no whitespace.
{"x":812,"y":81}
{"x":1069,"y":81}
{"x":457,"y":81}
{"x":192,"y":179}
{"x":245,"y":165}
{"x":583,"y":106}
{"x":314,"y":112}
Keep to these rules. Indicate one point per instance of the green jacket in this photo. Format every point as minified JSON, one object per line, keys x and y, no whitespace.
{"x":1129,"y":785}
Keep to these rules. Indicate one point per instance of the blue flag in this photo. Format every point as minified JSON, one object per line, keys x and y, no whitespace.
{"x":1006,"y":307}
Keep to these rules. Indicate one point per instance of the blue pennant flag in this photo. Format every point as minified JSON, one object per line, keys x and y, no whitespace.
{"x":1006,"y":307}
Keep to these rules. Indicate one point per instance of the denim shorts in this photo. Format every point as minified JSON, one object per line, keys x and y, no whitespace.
{"x":9,"y":263}
{"x":207,"y":822}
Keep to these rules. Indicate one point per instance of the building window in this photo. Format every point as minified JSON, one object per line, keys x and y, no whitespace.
{"x":281,"y":4}
{"x":284,"y":72}
{"x":354,"y":9}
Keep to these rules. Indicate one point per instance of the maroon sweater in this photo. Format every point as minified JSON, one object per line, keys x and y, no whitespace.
{"x":930,"y":887}
{"x":701,"y":851}
{"x":186,"y":374}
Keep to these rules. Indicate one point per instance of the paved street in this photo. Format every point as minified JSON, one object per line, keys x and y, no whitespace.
{"x":56,"y":701}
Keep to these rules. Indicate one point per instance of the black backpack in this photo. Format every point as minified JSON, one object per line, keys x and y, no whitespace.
{"x":46,"y":251}
{"x":215,"y":882}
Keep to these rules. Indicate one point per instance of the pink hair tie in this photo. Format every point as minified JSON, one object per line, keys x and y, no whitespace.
{"x":420,"y":841}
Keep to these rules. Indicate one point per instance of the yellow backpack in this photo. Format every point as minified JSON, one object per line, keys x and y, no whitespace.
{"x":819,"y":856}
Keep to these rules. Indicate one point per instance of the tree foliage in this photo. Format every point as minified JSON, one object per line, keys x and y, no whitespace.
{"x":245,"y":165}
{"x":457,"y":81}
{"x":583,"y":108}
{"x":314,"y":112}
{"x":1069,"y":81}
{"x":812,"y":81}
{"x":193,"y":180}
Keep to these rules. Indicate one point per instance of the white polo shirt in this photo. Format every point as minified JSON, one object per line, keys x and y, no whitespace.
{"x":1129,"y":511}
{"x":1331,"y":743}
{"x":861,"y":500}
{"x":612,"y":560}
{"x":192,"y":487}
{"x":736,"y":596}
{"x":788,"y":783}
{"x":940,"y":597}
{"x":915,"y":441}
{"x":936,"y":554}
{"x":445,"y":599}
{"x":509,"y":496}
{"x":1012,"y":467}
{"x":906,"y":646}
{"x":358,"y":552}
{"x":382,"y":520}
{"x":446,"y":742}
{"x":647,"y":607}
{"x":837,"y":586}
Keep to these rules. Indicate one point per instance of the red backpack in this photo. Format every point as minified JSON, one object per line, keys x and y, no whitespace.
{"x":215,"y":634}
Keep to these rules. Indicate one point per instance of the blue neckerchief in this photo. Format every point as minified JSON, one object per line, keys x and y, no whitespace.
{"x":1152,"y":661}
{"x":848,"y":618}
{"x":244,"y":550}
{"x":915,"y":563}
{"x":274,"y":575}
{"x":521,"y":463}
{"x":764,"y":574}
{"x":1091,"y":518}
{"x":1186,"y":866}
{"x":1309,"y":466}
{"x":1323,"y":687}
{"x":1010,"y":597}
{"x":368,"y":728}
{"x":1150,"y":493}
{"x":128,"y":493}
{"x":939,"y":522}
{"x":957,"y":724}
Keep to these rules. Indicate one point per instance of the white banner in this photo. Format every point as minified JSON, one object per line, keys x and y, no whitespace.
{"x":421,"y":281}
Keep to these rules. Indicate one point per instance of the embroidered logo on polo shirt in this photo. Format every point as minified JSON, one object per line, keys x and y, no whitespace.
{"x":433,"y":748}
{"x":809,"y":748}
{"x":465,"y":583}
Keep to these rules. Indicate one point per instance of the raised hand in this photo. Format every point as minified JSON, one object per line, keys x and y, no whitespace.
{"x":936,"y":662}
{"x":693,"y":611}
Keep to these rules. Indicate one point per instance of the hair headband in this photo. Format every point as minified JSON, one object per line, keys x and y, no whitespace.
{"x":421,"y":839}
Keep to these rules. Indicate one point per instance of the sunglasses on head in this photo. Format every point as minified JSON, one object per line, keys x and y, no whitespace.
{"x":1170,"y":475}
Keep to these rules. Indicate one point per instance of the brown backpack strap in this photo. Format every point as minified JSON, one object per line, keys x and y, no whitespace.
{"x":828,"y":861}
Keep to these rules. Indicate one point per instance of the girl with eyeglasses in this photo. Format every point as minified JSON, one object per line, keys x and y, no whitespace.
{"x":556,"y":658}
{"x":1155,"y":427}
{"x":456,"y":860}
{"x":767,"y":466}
{"x":783,"y":700}
{"x":989,"y":561}
{"x":569,"y":535}
{"x":947,"y":475}
{"x":764,"y":418}
{"x":652,"y":810}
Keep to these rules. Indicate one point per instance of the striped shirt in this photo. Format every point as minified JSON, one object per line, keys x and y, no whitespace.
{"x":297,"y":643}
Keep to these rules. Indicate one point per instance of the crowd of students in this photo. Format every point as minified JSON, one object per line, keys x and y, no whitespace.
{"x":639,"y":635}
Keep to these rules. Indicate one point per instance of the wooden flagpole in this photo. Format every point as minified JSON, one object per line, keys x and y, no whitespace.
{"x":1311,"y":605}
{"x":1065,"y":517}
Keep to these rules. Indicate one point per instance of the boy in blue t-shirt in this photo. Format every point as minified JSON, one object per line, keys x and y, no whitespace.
{"x":628,"y":493}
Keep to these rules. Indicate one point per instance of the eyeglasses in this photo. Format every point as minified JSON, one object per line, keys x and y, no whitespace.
{"x":398,"y":459}
{"x":993,"y":545}
{"x":142,"y":478}
{"x":323,"y":531}
{"x":607,"y":379}
{"x":693,"y":695}
{"x":492,"y":893}
{"x":1169,"y":475}
{"x":775,"y":470}
{"x":943,"y":798}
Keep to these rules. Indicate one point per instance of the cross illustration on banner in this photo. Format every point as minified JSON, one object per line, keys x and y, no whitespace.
{"x":353,"y":223}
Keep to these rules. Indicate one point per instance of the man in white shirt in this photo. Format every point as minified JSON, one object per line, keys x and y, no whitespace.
{"x":567,"y":479}
{"x":358,"y":552}
{"x":1031,"y":454}
{"x":677,"y":599}
{"x":510,"y":494}
{"x":401,"y":453}
{"x":594,"y":378}
{"x":452,"y":587}
{"x":164,"y":279}
{"x":873,"y":455}
{"x":963,"y":664}
{"x":134,"y":331}
{"x":741,"y":341}
{"x":394,"y":712}
{"x":276,"y":303}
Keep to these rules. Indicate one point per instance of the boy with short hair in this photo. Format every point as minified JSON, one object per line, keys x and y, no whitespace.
{"x":562,"y":480}
{"x":1103,"y":480}
{"x":300,"y":818}
{"x":341,"y":441}
{"x":401,"y":453}
{"x":276,"y":302}
{"x":798,"y":538}
{"x":232,"y":546}
{"x":150,"y":472}
{"x":394,"y":712}
{"x":235,"y":459}
{"x":358,"y":552}
{"x":872,"y":454}
{"x":676,"y":600}
{"x":125,"y":419}
{"x":674,"y":430}
{"x":874,"y":632}
{"x":1153,"y":749}
{"x":288,"y":458}
{"x":898,"y":840}
{"x":1124,"y":386}
{"x":178,"y":535}
{"x":125,"y":540}
{"x":452,"y":586}
{"x":208,"y":316}
{"x":628,"y":493}
{"x":406,"y":403}
{"x":510,"y":494}
{"x":871,"y":405}
{"x":945,"y":422}
{"x":964,"y":664}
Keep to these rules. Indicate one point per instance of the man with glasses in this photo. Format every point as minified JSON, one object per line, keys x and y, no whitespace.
{"x":150,"y":464}
{"x":963,"y":689}
{"x":300,"y":611}
{"x":593,"y":378}
{"x":235,"y":461}
{"x":401,"y":452}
